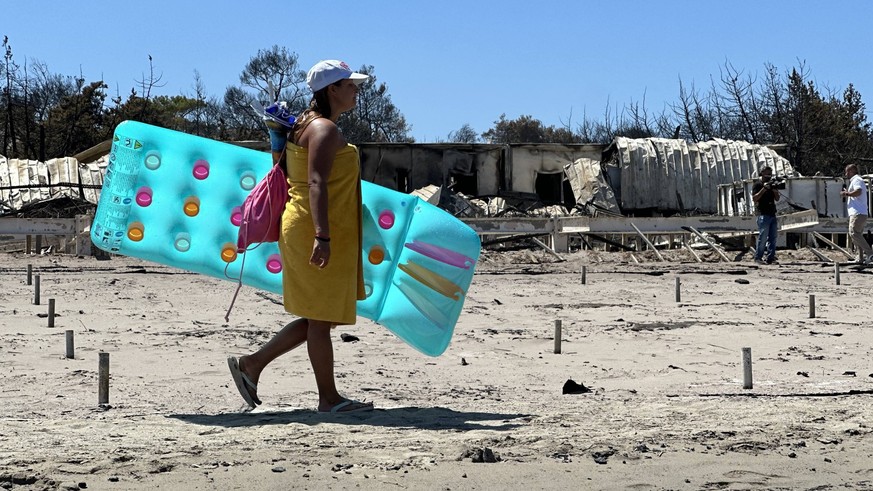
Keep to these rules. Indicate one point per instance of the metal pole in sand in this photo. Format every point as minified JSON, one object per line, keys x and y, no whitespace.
{"x":103,"y":375}
{"x":584,"y":274}
{"x":747,"y":368}
{"x":70,"y":347}
{"x":811,"y":306}
{"x":836,"y":273}
{"x":678,"y":292}
{"x":51,"y":317}
{"x":558,"y":336}
{"x":36,"y":290}
{"x":29,"y":274}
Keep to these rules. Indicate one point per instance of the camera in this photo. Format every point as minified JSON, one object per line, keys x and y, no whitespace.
{"x":776,"y":182}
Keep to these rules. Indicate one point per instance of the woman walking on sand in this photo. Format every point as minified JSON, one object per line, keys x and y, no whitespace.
{"x":320,"y":241}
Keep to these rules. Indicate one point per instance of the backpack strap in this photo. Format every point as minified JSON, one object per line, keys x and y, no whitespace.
{"x":300,"y":131}
{"x":282,"y":161}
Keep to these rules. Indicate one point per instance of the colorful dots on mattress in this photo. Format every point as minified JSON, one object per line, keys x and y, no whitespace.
{"x":182,"y":242}
{"x":247,"y":181}
{"x":153,"y":161}
{"x":228,"y":252}
{"x":144,"y":196}
{"x":376,"y":255}
{"x":191,"y":206}
{"x":236,"y":216}
{"x":201,"y":169}
{"x":386,"y":219}
{"x":135,"y":231}
{"x":274,"y":263}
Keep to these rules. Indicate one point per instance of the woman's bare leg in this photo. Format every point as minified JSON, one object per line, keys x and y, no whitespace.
{"x":320,"y":349}
{"x":316,"y":335}
{"x":291,"y":336}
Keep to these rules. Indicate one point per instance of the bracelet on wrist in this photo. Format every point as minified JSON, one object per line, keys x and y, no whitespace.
{"x":322,"y":239}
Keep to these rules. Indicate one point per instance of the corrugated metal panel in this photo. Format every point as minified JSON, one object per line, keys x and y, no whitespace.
{"x":92,"y":175}
{"x":23,"y":182}
{"x":589,"y":185}
{"x":6,"y":194}
{"x":673,"y":175}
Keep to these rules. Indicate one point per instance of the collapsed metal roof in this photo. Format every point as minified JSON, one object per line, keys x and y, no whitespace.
{"x":590,"y":187}
{"x":24,"y":182}
{"x":673,"y":175}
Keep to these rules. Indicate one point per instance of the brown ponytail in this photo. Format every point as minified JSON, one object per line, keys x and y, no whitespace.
{"x":319,"y":107}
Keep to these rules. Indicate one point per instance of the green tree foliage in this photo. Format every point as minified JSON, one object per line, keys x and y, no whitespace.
{"x":177,"y":112}
{"x":464,"y":134}
{"x":45,"y":115}
{"x":271,"y":75}
{"x":526,"y":129}
{"x":275,"y":75}
{"x":77,"y":122}
{"x":824,"y":132}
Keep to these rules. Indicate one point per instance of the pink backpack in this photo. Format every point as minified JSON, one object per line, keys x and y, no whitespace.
{"x":262,"y":210}
{"x":261,"y":218}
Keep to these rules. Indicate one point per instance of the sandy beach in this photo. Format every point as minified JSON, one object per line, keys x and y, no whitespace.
{"x":667,"y":408}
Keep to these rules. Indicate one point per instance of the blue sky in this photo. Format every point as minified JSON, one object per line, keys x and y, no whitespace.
{"x":448,"y":63}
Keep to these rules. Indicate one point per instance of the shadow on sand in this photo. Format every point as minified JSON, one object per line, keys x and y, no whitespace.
{"x":425,"y":418}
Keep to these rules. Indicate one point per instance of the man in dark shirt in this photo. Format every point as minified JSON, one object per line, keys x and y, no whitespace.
{"x":765,"y":198}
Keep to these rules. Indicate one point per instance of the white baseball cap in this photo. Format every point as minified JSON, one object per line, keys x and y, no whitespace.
{"x":328,"y":72}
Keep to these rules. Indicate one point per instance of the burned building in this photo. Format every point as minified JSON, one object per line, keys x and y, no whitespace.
{"x":641,"y":177}
{"x":648,"y":176}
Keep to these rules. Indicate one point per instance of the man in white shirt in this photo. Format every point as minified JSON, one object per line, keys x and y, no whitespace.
{"x":856,"y":203}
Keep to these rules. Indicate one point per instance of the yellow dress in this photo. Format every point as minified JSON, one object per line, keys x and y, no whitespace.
{"x":328,"y":294}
